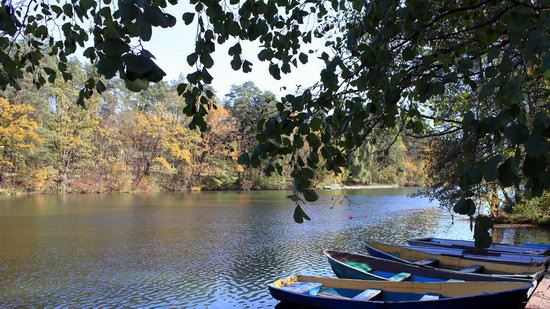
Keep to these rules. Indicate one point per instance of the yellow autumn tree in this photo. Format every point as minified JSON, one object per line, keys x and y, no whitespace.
{"x":160,"y":144}
{"x":18,"y":135}
{"x":71,"y":132}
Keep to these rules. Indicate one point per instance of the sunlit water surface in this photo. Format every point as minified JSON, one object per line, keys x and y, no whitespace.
{"x":215,"y":250}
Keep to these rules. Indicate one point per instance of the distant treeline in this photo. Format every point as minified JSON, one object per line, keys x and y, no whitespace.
{"x":123,"y":141}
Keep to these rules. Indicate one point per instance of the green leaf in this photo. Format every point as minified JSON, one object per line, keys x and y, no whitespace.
{"x":490,"y":172}
{"x":247,"y":66}
{"x":243,"y":159}
{"x":235,"y":50}
{"x":517,"y":133}
{"x":464,"y":206}
{"x":300,"y":215}
{"x":137,"y":66}
{"x":115,"y":47}
{"x":468,"y":121}
{"x":481,"y":232}
{"x":507,"y":173}
{"x":207,"y":60}
{"x":329,"y":79}
{"x":236,"y":62}
{"x":474,"y":175}
{"x":87,"y":4}
{"x":192,"y":59}
{"x":315,"y":124}
{"x":408,"y":54}
{"x":303,"y":58}
{"x":100,"y":86}
{"x":274,"y":71}
{"x":188,"y":18}
{"x":206,"y":77}
{"x":542,"y":122}
{"x":310,"y":195}
{"x":486,"y":91}
{"x":108,"y":66}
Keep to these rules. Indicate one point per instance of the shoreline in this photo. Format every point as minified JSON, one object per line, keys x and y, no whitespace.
{"x":16,"y":192}
{"x":359,"y":187}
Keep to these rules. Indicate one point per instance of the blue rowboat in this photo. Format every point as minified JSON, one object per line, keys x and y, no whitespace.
{"x":404,"y":255}
{"x":357,"y":266}
{"x":478,"y":255}
{"x":318,"y":292}
{"x":467,"y":244}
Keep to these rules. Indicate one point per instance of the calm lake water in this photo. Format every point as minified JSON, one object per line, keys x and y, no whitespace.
{"x":215,"y":250}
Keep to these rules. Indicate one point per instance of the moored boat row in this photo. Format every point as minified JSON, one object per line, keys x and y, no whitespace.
{"x":541,"y":249}
{"x":395,"y":276}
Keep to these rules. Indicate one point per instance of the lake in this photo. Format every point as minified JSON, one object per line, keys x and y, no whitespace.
{"x":207,"y":249}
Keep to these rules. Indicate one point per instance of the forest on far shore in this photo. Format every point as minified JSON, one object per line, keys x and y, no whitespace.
{"x":124,"y":141}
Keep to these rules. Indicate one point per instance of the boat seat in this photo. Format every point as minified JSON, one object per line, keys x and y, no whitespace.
{"x":455,"y":280}
{"x":331,"y":293}
{"x":471,"y":269}
{"x":400,"y":277}
{"x":367,"y":295}
{"x":426,"y":262}
{"x":359,"y":266}
{"x":307,"y":288}
{"x":430,"y":296}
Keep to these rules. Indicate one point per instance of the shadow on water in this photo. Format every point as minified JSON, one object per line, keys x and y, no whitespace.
{"x":215,"y":249}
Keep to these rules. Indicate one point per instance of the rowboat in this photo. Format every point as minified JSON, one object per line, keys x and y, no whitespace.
{"x":404,"y":255}
{"x":357,"y":266}
{"x":319,"y":292}
{"x":491,"y":256}
{"x":466,"y":244}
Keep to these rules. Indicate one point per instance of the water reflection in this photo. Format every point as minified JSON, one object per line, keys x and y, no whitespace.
{"x":215,"y":249}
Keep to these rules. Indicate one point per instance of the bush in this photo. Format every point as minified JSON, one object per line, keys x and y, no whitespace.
{"x":534,"y":211}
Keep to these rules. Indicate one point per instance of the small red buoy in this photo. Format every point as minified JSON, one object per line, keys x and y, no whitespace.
{"x":350,"y":217}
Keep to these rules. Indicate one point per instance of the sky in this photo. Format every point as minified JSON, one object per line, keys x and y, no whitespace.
{"x":172,"y":45}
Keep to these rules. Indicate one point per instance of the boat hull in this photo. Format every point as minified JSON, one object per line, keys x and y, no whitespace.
{"x":418,"y":273}
{"x":405,"y":295}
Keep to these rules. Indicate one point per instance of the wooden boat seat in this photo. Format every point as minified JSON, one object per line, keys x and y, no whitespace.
{"x":471,"y":269}
{"x":331,"y":293}
{"x":400,"y":277}
{"x":367,"y":295}
{"x":430,"y":296}
{"x":308,"y":288}
{"x":359,"y":266}
{"x":426,"y":262}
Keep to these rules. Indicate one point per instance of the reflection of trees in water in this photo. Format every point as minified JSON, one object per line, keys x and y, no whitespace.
{"x":518,"y":235}
{"x":404,"y":226}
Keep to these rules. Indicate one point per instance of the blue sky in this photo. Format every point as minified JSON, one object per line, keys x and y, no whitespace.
{"x":171,"y":47}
